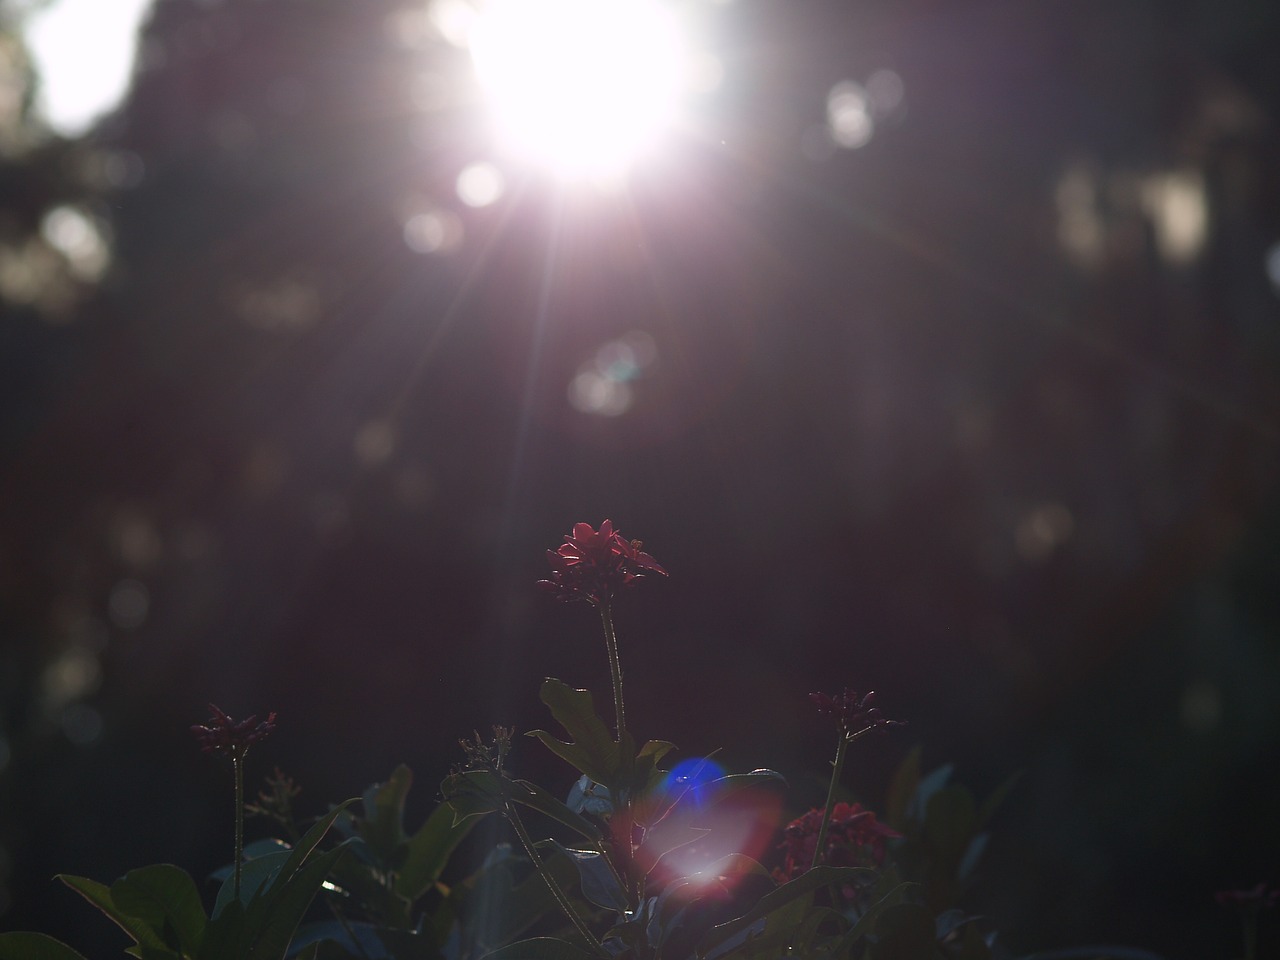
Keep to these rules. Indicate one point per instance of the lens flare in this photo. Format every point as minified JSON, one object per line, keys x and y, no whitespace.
{"x":583,"y":86}
{"x":735,"y":823}
{"x":688,"y":778}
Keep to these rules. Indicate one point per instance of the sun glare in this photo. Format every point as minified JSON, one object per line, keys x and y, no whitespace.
{"x":583,"y":86}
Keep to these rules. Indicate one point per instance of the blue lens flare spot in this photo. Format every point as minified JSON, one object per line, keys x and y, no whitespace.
{"x":688,"y":778}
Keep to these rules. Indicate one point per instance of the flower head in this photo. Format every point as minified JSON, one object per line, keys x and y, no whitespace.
{"x":853,"y":713}
{"x":855,"y":838}
{"x":593,"y":565}
{"x":227,"y":738}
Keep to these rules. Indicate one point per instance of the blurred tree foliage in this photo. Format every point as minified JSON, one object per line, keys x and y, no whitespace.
{"x":981,"y":413}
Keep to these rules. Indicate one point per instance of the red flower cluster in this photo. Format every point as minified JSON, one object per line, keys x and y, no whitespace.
{"x":592,"y":565}
{"x":853,"y":713}
{"x":855,"y":838}
{"x":223,"y":736}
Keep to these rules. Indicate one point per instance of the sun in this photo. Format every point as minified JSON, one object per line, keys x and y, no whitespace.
{"x":584,"y":87}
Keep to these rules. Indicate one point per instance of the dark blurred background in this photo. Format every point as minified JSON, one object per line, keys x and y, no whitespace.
{"x":936,"y":353}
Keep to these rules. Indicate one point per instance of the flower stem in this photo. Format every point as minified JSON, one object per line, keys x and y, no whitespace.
{"x":237,"y":763}
{"x":513,"y":817}
{"x":615,"y":667}
{"x":837,"y":768}
{"x":1250,"y":929}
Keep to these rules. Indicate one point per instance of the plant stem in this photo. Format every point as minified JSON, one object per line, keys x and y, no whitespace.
{"x":615,"y":666}
{"x":513,"y":817}
{"x":837,"y":768}
{"x":237,"y":764}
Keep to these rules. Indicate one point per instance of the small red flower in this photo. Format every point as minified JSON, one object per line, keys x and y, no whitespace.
{"x":855,"y":838}
{"x":592,"y":564}
{"x":854,"y":714}
{"x":223,"y":736}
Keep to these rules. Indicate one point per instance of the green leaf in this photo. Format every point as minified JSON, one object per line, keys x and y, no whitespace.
{"x":429,"y":851}
{"x":997,"y":797}
{"x":273,"y":915}
{"x":494,"y":908}
{"x":671,"y":909}
{"x":950,"y":820}
{"x":593,"y":750}
{"x":252,"y":851}
{"x":904,"y":931}
{"x":972,"y":854}
{"x":720,"y":790}
{"x":99,"y":894}
{"x":868,"y":919}
{"x":474,"y":793}
{"x":647,"y":773}
{"x":383,"y":826}
{"x":901,"y":789}
{"x":655,"y":750}
{"x":21,"y":945}
{"x":928,"y":786}
{"x":972,"y":945}
{"x":949,"y":921}
{"x":310,"y":841}
{"x":735,"y":866}
{"x":596,"y":878}
{"x":166,"y":899}
{"x":535,"y":798}
{"x":254,"y":875}
{"x":226,"y":935}
{"x":285,"y":883}
{"x":540,"y":948}
{"x":369,"y":941}
{"x":803,"y":885}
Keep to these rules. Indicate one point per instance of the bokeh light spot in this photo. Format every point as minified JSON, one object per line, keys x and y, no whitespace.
{"x":412,"y":486}
{"x":74,"y":674}
{"x":1080,"y":227}
{"x":135,"y":537}
{"x":1042,"y":530}
{"x":275,"y":306}
{"x":603,"y":385}
{"x":129,"y":604}
{"x":480,"y":184}
{"x":1273,"y":267}
{"x":433,"y":231}
{"x":1179,"y":211}
{"x":849,"y":115}
{"x":375,"y":442}
{"x":82,"y":724}
{"x":886,"y":91}
{"x":84,"y":52}
{"x":78,"y":238}
{"x":122,"y":169}
{"x":593,"y":392}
